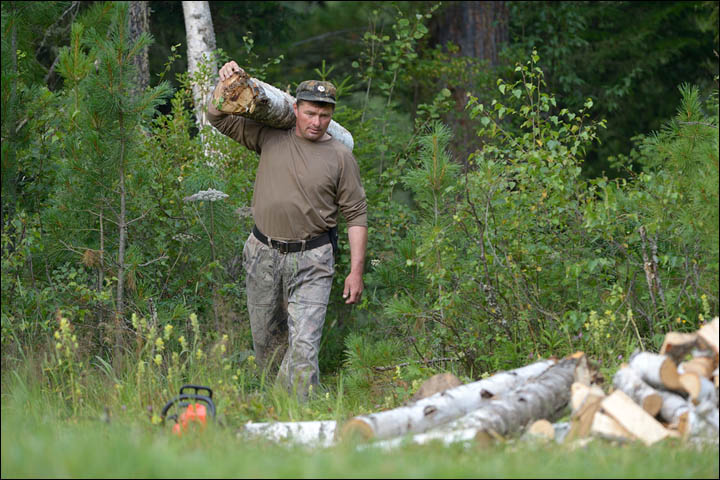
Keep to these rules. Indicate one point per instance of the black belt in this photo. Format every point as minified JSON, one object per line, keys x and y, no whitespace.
{"x":289,"y":247}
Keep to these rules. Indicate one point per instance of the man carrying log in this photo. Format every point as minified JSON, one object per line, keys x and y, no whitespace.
{"x":304,"y":177}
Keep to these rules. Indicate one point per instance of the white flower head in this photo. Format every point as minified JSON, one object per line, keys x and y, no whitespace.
{"x":206,"y":195}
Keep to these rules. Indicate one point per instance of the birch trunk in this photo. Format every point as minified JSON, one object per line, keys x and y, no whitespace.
{"x":545,"y":396}
{"x":319,"y":433}
{"x":247,"y":96}
{"x":200,"y":47}
{"x":627,"y":380}
{"x":442,"y":407}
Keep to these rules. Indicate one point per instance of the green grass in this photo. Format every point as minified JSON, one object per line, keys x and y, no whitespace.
{"x":41,"y":439}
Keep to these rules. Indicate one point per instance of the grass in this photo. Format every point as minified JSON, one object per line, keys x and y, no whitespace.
{"x":42,"y":437}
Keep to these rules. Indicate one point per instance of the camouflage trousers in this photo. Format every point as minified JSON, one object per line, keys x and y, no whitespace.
{"x":287,"y":296}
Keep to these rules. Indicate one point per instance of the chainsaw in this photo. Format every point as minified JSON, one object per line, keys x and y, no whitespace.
{"x":196,"y":408}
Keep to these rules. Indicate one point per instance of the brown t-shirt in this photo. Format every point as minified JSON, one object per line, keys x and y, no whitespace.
{"x":300,"y":185}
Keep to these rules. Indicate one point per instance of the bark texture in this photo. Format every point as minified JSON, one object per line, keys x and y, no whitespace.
{"x":627,"y":380}
{"x":442,"y":407}
{"x":545,"y":396}
{"x":139,"y":22}
{"x":319,"y":433}
{"x":200,"y":47}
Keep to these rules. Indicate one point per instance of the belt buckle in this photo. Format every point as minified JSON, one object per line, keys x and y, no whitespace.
{"x":283,"y":247}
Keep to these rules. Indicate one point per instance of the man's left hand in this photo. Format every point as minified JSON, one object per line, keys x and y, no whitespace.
{"x":353,"y":288}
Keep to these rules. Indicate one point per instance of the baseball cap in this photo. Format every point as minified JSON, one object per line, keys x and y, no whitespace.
{"x":316,"y":91}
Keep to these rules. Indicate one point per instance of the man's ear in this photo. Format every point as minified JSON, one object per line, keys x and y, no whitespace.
{"x":295,"y":109}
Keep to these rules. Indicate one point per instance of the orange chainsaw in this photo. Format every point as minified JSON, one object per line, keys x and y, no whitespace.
{"x":193,"y":408}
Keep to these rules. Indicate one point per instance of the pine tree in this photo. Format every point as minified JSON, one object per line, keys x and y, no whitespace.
{"x":105,"y":131}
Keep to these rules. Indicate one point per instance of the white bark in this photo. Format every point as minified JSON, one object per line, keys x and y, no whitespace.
{"x":200,"y":47}
{"x":544,"y":396}
{"x":318,"y":433}
{"x":627,"y":380}
{"x":263,"y":103}
{"x":442,"y":407}
{"x":657,"y":370}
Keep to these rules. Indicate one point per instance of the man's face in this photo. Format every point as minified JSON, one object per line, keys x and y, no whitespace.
{"x":312,"y":120}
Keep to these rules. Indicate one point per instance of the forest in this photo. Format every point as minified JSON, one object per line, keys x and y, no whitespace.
{"x":541,"y":179}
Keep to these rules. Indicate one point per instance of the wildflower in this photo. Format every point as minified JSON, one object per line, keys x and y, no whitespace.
{"x":183,"y":342}
{"x":158,"y":360}
{"x":159,"y":344}
{"x":168,"y":331}
{"x":199,"y":354}
{"x":210,"y":195}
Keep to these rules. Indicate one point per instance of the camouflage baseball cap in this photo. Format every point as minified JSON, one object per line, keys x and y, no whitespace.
{"x":316,"y":91}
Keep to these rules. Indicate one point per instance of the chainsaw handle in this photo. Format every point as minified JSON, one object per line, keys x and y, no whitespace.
{"x":197,"y":389}
{"x":185,"y":396}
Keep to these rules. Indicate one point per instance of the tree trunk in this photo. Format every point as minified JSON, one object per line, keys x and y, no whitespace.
{"x":442,"y":407}
{"x":200,"y":47}
{"x":545,"y":396}
{"x":247,"y":96}
{"x":480,"y":29}
{"x":319,"y":433}
{"x":139,"y":22}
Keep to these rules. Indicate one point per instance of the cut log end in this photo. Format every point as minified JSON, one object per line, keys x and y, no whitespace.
{"x":669,"y":375}
{"x":691,"y":384}
{"x":652,"y":404}
{"x":542,"y":429}
{"x":356,"y":429}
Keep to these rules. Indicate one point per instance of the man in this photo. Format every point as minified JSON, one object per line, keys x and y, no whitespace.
{"x":303,"y":179}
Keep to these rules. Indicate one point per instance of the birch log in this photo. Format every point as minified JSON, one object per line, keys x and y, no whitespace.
{"x":440,"y":408}
{"x":700,"y":365}
{"x":247,"y":96}
{"x":627,"y":380}
{"x":674,"y":410}
{"x":657,"y":370}
{"x":676,"y":345}
{"x":319,"y":433}
{"x":545,"y":396}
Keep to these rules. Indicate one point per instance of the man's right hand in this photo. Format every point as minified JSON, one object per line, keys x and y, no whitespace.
{"x":229,"y":69}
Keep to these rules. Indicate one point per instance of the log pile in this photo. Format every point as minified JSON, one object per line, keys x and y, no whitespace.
{"x":672,"y":393}
{"x":655,"y":396}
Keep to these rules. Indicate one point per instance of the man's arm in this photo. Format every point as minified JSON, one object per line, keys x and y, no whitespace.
{"x":357,"y":236}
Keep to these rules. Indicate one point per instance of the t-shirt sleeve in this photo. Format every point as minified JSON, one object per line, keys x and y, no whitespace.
{"x":243,"y":130}
{"x":351,"y":195}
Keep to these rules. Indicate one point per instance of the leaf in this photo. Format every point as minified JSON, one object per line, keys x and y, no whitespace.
{"x":501,"y":87}
{"x":517,"y":92}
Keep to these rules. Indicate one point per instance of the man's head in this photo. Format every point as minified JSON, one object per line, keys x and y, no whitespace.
{"x":314,"y":108}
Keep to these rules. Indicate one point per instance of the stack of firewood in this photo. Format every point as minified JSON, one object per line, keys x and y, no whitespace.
{"x":672,"y":393}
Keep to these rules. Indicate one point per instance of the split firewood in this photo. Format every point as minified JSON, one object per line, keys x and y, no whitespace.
{"x":627,"y":380}
{"x":699,"y":388}
{"x":440,"y":408}
{"x":545,"y":396}
{"x":702,"y":366}
{"x":708,"y":336}
{"x":633,"y":418}
{"x":247,"y":96}
{"x":660,"y":371}
{"x":318,"y":433}
{"x":676,"y":345}
{"x":585,"y":403}
{"x":605,"y":426}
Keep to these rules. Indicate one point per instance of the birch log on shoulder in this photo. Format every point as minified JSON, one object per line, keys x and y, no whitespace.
{"x":545,"y":396}
{"x":627,"y":380}
{"x":247,"y":96}
{"x":660,"y":371}
{"x":318,"y":433}
{"x":440,"y":408}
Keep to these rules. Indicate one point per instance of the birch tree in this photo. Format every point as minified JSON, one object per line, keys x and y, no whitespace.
{"x":200,"y":47}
